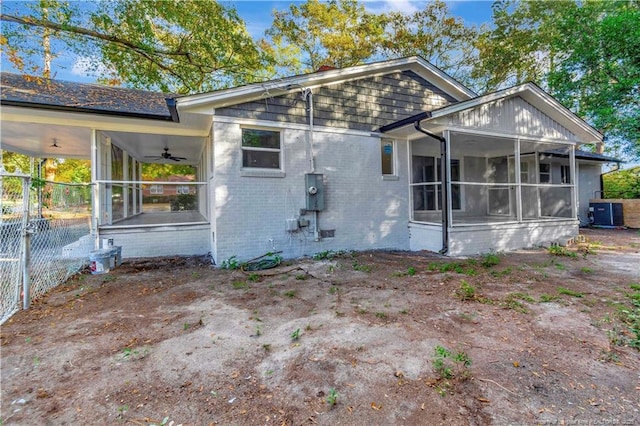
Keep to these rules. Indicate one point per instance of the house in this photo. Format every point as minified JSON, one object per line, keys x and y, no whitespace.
{"x":389,"y":155}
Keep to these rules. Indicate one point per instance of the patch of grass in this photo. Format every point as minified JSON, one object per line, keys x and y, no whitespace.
{"x":253,"y":277}
{"x":381,"y":315}
{"x":360,"y":267}
{"x":503,"y":273}
{"x":466,"y":291}
{"x":546,"y":298}
{"x":238,"y":285}
{"x":332,"y":397}
{"x":290,"y":294}
{"x":411,"y":271}
{"x":489,"y":260}
{"x":586,"y":270}
{"x":296,"y":334}
{"x":266,"y":347}
{"x":512,"y":301}
{"x":301,"y":277}
{"x":333,"y":289}
{"x":404,"y":312}
{"x":560,"y":266}
{"x":329,"y":254}
{"x":568,"y":292}
{"x":558,"y":250}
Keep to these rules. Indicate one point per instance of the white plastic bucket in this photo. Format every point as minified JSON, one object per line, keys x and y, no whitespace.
{"x":100,"y":261}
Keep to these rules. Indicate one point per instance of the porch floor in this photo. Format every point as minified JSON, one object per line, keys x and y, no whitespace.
{"x":161,"y":218}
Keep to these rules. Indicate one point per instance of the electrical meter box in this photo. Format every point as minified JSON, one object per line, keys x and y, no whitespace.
{"x":314,"y":188}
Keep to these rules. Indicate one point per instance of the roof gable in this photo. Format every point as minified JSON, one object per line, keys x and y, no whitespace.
{"x":206,"y":102}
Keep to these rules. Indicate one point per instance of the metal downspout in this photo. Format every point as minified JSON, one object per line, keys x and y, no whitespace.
{"x":443,"y":179}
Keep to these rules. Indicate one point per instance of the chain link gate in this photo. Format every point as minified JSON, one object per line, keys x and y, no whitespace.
{"x":45,"y":246}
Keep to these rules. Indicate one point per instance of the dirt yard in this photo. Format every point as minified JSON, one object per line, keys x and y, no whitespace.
{"x":375,"y":338}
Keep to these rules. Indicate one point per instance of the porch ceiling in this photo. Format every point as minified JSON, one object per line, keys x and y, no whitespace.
{"x":33,"y":132}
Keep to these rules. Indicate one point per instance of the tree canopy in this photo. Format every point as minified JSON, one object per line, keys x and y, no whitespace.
{"x":150,"y":44}
{"x":586,"y":54}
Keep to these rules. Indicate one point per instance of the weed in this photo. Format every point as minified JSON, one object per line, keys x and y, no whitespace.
{"x":333,"y":289}
{"x":546,"y":298}
{"x":332,"y":397}
{"x":27,"y":340}
{"x":362,"y":311}
{"x":560,"y":266}
{"x":253,"y":277}
{"x":381,"y":315}
{"x":635,"y":287}
{"x":557,"y":250}
{"x":404,"y":312}
{"x":301,"y":277}
{"x":231,"y":263}
{"x":296,"y":334}
{"x":258,"y":331}
{"x":490,"y":259}
{"x":449,"y":365}
{"x":36,"y":361}
{"x":329,"y":254}
{"x":512,"y":302}
{"x":466,"y":291}
{"x":568,"y":292}
{"x":411,"y":271}
{"x":195,"y":275}
{"x":266,"y":347}
{"x":308,"y":327}
{"x":586,"y":270}
{"x":186,"y":326}
{"x":238,"y":285}
{"x":503,"y":273}
{"x":359,"y":267}
{"x":290,"y":294}
{"x":268,"y":372}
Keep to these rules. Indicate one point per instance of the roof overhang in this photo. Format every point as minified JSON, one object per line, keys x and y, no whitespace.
{"x":528,"y":91}
{"x":208,"y":102}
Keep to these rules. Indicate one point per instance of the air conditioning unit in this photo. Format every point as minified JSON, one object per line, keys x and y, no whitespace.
{"x":606,"y":214}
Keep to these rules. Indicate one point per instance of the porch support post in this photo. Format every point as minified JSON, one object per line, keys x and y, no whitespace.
{"x":446,"y":181}
{"x":96,"y":192}
{"x":572,"y":172}
{"x":518,"y":180}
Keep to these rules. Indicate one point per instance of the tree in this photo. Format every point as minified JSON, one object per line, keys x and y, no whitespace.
{"x":435,"y":35}
{"x":622,"y":183}
{"x":586,"y":54}
{"x":151,"y":44}
{"x":340,"y":33}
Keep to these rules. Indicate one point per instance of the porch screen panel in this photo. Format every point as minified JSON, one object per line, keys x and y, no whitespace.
{"x":547,"y":190}
{"x":487,"y":192}
{"x":117,"y":190}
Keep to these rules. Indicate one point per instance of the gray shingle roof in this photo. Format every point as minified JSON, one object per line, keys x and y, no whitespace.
{"x":20,"y":90}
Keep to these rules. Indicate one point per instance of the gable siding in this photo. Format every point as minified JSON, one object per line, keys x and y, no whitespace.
{"x":513,"y":115}
{"x":364,"y":104}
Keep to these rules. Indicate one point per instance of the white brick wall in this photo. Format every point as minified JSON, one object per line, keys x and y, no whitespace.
{"x":504,"y":237}
{"x":365,"y":211}
{"x":188,"y":240}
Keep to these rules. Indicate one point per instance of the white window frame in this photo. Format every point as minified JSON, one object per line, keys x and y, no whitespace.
{"x":394,"y":156}
{"x":259,"y":149}
{"x":156,"y":189}
{"x":547,"y":173}
{"x":182,"y":189}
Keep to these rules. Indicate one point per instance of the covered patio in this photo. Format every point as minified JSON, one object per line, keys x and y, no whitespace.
{"x":118,"y":130}
{"x":496,"y":172}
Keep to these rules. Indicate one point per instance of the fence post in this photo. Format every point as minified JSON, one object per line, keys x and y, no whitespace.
{"x":26,"y":244}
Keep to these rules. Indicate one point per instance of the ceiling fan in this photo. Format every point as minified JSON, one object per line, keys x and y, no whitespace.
{"x":165,"y":156}
{"x":54,"y":144}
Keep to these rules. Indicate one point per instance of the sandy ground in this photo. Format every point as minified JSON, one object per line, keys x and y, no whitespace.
{"x":535,"y":339}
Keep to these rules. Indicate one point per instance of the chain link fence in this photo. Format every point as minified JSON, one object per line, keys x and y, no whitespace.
{"x":58,"y":238}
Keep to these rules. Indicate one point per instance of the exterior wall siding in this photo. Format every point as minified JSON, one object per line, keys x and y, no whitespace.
{"x":588,"y":184}
{"x":472,"y":240}
{"x":161,"y":240}
{"x":365,"y":211}
{"x":514,"y":115}
{"x":364,"y":104}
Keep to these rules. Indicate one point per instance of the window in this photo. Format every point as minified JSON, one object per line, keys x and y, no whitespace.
{"x":182,"y":189}
{"x":565,"y":174}
{"x":260,"y":149}
{"x":388,"y":164}
{"x":156,"y":190}
{"x":545,"y":173}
